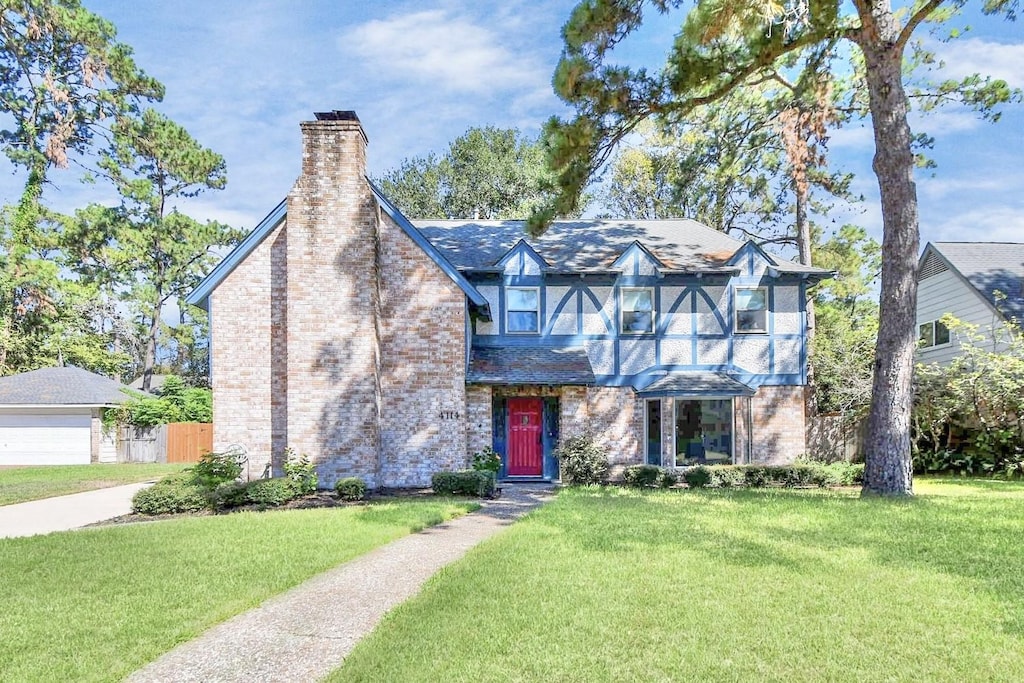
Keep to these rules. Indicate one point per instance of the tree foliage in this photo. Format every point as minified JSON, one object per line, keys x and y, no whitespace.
{"x":725,"y":46}
{"x":847,"y":320}
{"x":487,"y":173}
{"x":145,"y":251}
{"x":64,"y":80}
{"x":969,"y":414}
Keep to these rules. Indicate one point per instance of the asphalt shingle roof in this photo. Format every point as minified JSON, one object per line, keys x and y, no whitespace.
{"x":589,"y":245}
{"x":697,"y":383}
{"x":60,"y":386}
{"x":991,"y":266}
{"x":529,"y":365}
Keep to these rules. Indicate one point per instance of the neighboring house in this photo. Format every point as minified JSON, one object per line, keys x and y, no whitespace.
{"x":53,"y":416}
{"x":977,"y":282}
{"x":156,"y":383}
{"x":390,"y":351}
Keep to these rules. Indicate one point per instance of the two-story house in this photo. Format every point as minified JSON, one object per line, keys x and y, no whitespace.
{"x":391,"y":349}
{"x":981,"y":283}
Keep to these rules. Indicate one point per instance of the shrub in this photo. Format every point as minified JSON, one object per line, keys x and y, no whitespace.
{"x":230,"y":494}
{"x":351,"y":488}
{"x":697,"y":477}
{"x":641,"y":475}
{"x":583,"y":461}
{"x":214,"y":469}
{"x":726,"y":476}
{"x":166,"y":498}
{"x":301,"y":471}
{"x":464,"y":482}
{"x":271,"y":492}
{"x":486,"y":460}
{"x":668,"y":479}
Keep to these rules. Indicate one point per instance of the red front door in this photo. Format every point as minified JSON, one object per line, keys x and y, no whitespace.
{"x":525,"y":453}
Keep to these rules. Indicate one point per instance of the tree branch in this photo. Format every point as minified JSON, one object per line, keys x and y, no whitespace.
{"x":915,"y":21}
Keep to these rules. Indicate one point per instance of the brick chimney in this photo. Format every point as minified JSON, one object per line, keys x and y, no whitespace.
{"x":332,"y":389}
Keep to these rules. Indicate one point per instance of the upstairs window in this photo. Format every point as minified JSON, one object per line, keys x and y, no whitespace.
{"x":637,"y":311}
{"x":752,"y":310}
{"x":933,"y":333}
{"x":523,"y":310}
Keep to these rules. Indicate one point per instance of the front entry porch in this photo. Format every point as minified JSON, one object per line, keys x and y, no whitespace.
{"x":525,"y":433}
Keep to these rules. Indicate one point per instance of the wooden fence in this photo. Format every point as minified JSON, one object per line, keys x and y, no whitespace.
{"x":833,"y":437}
{"x":175,"y":442}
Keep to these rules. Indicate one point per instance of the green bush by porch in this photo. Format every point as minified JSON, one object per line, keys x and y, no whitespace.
{"x":615,"y":584}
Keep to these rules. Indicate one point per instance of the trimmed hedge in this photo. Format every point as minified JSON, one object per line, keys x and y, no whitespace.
{"x":272,"y":492}
{"x":170,"y":497}
{"x":645,"y":476}
{"x":802,"y":475}
{"x":351,"y":488}
{"x":480,"y":483}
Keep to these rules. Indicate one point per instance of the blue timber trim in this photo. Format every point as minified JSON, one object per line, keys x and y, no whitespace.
{"x":803,"y":331}
{"x":635,"y":252}
{"x":557,"y":311}
{"x":520,"y":249}
{"x":549,"y":437}
{"x":429,"y":249}
{"x":499,"y":432}
{"x":200,"y":296}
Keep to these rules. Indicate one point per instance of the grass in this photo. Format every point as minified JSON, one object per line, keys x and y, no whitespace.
{"x":772,"y":585}
{"x":21,"y":484}
{"x":96,"y":605}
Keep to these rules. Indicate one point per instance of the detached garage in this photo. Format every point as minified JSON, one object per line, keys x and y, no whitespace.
{"x":53,"y":416}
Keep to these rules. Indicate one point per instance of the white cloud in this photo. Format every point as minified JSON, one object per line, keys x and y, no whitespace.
{"x":442,"y":51}
{"x":992,"y":223}
{"x":974,"y":55}
{"x":973,"y":185}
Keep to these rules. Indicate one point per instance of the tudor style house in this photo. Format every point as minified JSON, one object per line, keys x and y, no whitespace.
{"x":981,"y":283}
{"x":391,"y":349}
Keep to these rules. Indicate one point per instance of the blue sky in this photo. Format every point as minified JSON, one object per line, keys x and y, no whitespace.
{"x":241,"y":75}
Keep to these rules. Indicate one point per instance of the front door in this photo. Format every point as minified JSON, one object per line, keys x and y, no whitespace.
{"x":525,"y":452}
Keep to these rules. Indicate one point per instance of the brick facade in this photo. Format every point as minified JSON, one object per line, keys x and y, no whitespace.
{"x":779,"y":424}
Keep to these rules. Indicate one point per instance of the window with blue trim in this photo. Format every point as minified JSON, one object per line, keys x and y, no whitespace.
{"x":637,"y":310}
{"x":522,"y":310}
{"x":751,"y":310}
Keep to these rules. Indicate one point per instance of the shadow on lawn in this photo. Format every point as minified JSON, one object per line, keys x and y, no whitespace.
{"x":977,"y":537}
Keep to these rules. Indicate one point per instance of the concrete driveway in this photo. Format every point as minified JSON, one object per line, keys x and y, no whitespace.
{"x":66,"y":512}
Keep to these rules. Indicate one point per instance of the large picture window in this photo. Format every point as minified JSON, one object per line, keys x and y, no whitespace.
{"x":637,"y":311}
{"x":752,"y":310}
{"x":933,"y":333}
{"x":523,"y":310}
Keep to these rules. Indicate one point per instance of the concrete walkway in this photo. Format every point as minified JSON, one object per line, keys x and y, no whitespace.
{"x":306,"y":633}
{"x":62,"y":513}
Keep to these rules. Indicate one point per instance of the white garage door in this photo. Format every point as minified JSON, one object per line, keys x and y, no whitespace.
{"x":58,"y":438}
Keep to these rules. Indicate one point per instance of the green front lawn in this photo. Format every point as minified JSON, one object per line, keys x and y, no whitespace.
{"x":21,"y":484}
{"x":619,"y":585}
{"x":95,"y":605}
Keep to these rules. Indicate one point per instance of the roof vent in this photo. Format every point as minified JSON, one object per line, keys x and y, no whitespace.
{"x":932,"y":265}
{"x":336,"y":115}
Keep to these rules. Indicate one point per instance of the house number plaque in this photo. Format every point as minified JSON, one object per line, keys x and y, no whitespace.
{"x":449,"y":415}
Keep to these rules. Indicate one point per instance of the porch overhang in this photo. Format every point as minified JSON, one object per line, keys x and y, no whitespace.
{"x":503,"y":365}
{"x":695,"y":383}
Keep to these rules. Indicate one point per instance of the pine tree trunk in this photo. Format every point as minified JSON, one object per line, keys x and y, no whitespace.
{"x":887,"y":445}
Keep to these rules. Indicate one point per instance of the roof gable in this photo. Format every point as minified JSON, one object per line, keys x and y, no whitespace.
{"x":522,"y":260}
{"x":201,"y":294}
{"x":401,"y":221}
{"x":994,"y":270}
{"x":637,"y":260}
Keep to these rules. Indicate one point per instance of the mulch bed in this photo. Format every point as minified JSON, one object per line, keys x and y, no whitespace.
{"x":320,"y":499}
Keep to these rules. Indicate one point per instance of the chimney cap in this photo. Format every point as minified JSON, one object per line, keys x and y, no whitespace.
{"x":336,"y":115}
